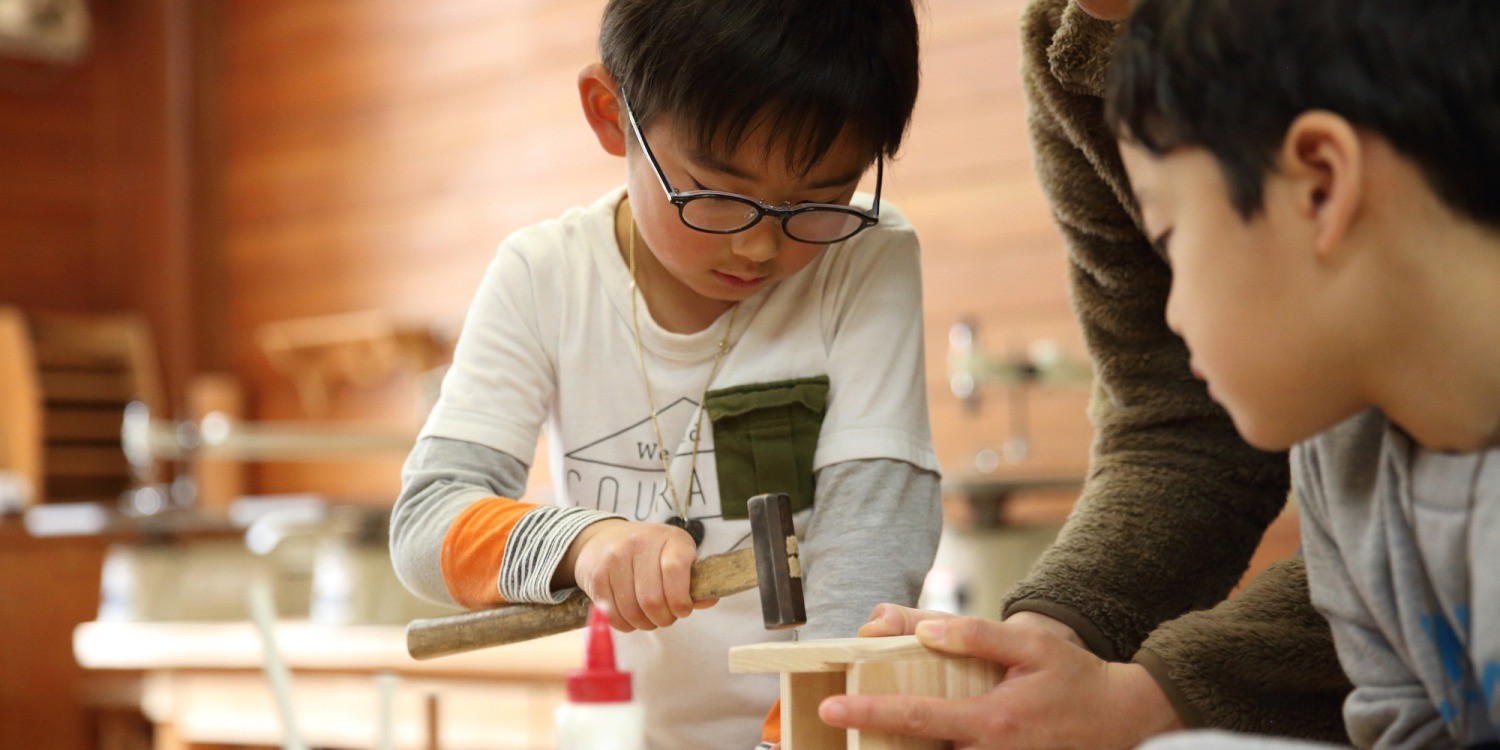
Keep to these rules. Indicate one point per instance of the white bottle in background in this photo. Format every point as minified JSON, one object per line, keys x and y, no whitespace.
{"x":601,"y":713}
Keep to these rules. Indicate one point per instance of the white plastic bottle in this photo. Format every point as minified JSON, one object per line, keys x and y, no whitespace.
{"x":600,"y":713}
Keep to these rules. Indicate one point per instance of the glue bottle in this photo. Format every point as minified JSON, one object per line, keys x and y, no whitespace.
{"x":600,"y":713}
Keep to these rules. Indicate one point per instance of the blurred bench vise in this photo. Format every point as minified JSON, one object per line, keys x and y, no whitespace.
{"x":329,"y":563}
{"x":971,"y":369}
{"x":219,"y":439}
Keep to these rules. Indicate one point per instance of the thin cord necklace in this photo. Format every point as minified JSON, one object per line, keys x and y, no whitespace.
{"x":692,"y":526}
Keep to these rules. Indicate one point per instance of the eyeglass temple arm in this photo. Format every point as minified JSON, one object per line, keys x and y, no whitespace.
{"x":650,"y":156}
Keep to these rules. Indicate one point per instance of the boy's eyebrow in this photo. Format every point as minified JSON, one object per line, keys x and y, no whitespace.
{"x":709,"y":161}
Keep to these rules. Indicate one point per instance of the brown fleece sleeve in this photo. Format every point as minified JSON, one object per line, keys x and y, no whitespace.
{"x":1175,"y":502}
{"x":1262,"y":662}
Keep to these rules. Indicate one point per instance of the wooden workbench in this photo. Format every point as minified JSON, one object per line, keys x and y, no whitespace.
{"x":200,"y":685}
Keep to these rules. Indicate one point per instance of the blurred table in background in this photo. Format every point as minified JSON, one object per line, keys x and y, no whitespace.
{"x":200,"y":685}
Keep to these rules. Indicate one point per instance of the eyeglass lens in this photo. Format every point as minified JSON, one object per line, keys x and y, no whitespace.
{"x":715,"y":214}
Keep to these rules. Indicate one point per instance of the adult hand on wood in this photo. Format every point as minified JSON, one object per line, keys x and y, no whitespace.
{"x":894,"y":619}
{"x":1054,"y":693}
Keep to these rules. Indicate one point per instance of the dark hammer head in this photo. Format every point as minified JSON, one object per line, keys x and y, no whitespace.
{"x":777,"y":567}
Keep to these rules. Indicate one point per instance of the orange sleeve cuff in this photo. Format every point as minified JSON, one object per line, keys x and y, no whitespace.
{"x":474,"y":547}
{"x":771,"y":730}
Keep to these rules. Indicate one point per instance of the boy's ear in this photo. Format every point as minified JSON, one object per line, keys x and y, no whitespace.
{"x":1323,"y":156}
{"x":601,"y":107}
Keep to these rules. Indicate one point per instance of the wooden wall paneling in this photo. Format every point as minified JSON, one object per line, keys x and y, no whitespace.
{"x":92,"y":211}
{"x":143,"y":138}
{"x":46,"y":202}
{"x":209,"y":279}
{"x":94,"y":206}
{"x":392,"y":159}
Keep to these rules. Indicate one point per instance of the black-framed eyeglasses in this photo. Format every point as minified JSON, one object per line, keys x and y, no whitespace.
{"x":718,"y":212}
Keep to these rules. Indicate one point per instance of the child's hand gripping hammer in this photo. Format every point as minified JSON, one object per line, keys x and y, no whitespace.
{"x":771,"y":562}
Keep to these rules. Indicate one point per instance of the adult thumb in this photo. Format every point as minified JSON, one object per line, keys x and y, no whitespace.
{"x":976,"y":637}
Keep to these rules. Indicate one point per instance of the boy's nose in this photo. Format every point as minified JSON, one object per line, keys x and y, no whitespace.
{"x":1174,"y":309}
{"x":759,"y":243}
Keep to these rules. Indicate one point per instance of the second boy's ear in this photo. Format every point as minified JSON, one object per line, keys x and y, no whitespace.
{"x":601,"y":107}
{"x":1322,"y":156}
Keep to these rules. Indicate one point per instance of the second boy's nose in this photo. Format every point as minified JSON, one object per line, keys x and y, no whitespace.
{"x":1174,"y":309}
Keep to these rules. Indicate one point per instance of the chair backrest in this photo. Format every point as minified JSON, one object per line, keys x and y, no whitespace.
{"x":84,"y":370}
{"x":20,"y":401}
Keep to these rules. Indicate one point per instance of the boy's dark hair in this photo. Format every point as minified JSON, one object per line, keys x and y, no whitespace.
{"x":1231,"y":76}
{"x":806,"y":68}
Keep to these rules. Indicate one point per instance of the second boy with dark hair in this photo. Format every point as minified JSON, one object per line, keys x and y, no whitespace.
{"x":1172,"y":496}
{"x":1322,"y":178}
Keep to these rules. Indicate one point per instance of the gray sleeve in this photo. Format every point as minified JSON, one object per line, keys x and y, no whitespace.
{"x":871,"y":539}
{"x":1220,"y":740}
{"x":441,"y":478}
{"x":1389,"y":709}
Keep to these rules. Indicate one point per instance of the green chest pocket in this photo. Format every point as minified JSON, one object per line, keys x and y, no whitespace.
{"x":765,"y":435}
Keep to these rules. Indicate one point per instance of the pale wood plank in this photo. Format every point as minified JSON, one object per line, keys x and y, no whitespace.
{"x":919,"y":677}
{"x":801,"y":729}
{"x":967,"y":678}
{"x":826,"y":655}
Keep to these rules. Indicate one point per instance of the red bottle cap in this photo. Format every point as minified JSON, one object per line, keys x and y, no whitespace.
{"x":599,"y":681}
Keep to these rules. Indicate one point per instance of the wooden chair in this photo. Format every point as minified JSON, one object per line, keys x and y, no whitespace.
{"x":65,"y":380}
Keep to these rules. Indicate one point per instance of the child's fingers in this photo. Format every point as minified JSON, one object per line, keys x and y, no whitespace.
{"x":648,"y":583}
{"x":677,"y":573}
{"x":605,"y":595}
{"x":915,"y":716}
{"x":704,"y":603}
{"x":622,"y":584}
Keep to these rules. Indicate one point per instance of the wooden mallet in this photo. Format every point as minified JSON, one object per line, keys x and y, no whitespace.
{"x":771,"y":563}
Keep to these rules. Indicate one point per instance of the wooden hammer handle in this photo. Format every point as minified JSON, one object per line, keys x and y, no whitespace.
{"x":713,"y":577}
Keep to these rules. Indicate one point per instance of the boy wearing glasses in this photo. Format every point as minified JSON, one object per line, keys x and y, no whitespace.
{"x":735,"y":320}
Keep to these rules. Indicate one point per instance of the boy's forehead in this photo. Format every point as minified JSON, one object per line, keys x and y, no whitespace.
{"x":830,"y":170}
{"x":760,"y":153}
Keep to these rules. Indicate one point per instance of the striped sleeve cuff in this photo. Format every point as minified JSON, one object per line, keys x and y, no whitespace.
{"x":536,"y":546}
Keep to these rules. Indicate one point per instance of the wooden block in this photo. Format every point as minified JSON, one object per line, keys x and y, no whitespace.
{"x":929,"y":677}
{"x":801,"y":729}
{"x":827,"y":655}
{"x":814,"y":670}
{"x":967,"y":678}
